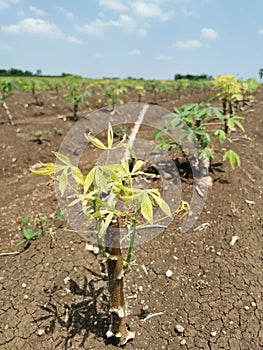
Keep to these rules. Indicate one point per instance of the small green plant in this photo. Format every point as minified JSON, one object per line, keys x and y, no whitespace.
{"x":181,"y":86}
{"x":198,"y":123}
{"x":140,"y":91}
{"x":29,"y":233}
{"x":153,"y":87}
{"x":31,"y":229}
{"x":5,"y":90}
{"x":75,"y":97}
{"x":119,"y":131}
{"x":34,"y":85}
{"x":247,"y":89}
{"x":60,"y":214}
{"x":125,"y":204}
{"x":114,"y":93}
{"x":39,"y":136}
{"x":58,"y":131}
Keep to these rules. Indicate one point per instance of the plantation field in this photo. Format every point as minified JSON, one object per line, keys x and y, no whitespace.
{"x":52,"y":293}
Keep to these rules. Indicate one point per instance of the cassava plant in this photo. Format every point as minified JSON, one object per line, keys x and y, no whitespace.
{"x":34,"y":85}
{"x":5,"y":90}
{"x":125,"y":203}
{"x":198,"y":124}
{"x":113,"y":93}
{"x":181,"y":86}
{"x":229,"y":91}
{"x":153,"y":87}
{"x":75,"y":97}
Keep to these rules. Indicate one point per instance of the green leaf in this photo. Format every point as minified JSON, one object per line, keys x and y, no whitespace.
{"x":230,"y":124}
{"x":233,"y":158}
{"x":175,"y":122}
{"x":238,"y":124}
{"x":147,"y":208}
{"x":25,"y":220}
{"x":63,"y":181}
{"x":36,"y":233}
{"x":27,"y":233}
{"x":60,"y":214}
{"x":220,"y":134}
{"x":21,"y":242}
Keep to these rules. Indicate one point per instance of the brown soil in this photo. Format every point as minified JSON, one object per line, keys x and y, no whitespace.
{"x":56,"y":298}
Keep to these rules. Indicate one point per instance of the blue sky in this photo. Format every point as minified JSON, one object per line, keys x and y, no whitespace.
{"x":153,"y":39}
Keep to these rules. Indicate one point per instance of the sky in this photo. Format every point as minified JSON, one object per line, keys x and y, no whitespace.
{"x":150,"y":39}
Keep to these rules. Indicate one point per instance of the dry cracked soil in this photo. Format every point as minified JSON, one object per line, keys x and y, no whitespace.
{"x":57,"y":298}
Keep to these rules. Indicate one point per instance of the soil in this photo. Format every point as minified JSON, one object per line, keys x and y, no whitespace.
{"x":56,"y":298}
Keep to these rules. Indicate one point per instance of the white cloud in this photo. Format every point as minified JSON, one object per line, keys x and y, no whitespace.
{"x":135,"y":52}
{"x":147,"y":10}
{"x":260,"y":32}
{"x":190,"y":44}
{"x":98,"y":27}
{"x":98,"y":55}
{"x":74,"y":40}
{"x":32,"y":26}
{"x":209,"y":33}
{"x":163,"y":58}
{"x":187,"y":12}
{"x":4,"y":47}
{"x":116,"y":5}
{"x":95,"y":28}
{"x":142,"y":32}
{"x":3,"y":4}
{"x":61,"y":9}
{"x":70,"y":15}
{"x":37,"y":12}
{"x":21,"y":13}
{"x":127,"y":22}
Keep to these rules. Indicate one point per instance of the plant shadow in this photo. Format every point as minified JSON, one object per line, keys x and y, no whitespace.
{"x":78,"y":317}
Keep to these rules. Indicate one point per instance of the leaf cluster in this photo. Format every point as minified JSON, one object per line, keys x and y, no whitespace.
{"x":114,"y":178}
{"x":198,"y":123}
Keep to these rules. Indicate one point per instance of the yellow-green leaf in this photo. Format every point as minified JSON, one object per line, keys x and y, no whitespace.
{"x":125,"y":166}
{"x":89,"y":180}
{"x":147,"y":208}
{"x":48,"y":169}
{"x":162,"y":204}
{"x":110,"y":136}
{"x":95,"y":141}
{"x":74,"y":202}
{"x":77,"y":175}
{"x":63,"y":181}
{"x":106,"y":224}
{"x":139,"y":163}
{"x":64,"y":159}
{"x":100,"y":180}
